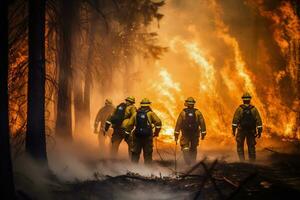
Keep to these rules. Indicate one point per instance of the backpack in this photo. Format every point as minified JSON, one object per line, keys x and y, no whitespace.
{"x":247,"y":120}
{"x":143,"y":126}
{"x":118,"y":116}
{"x":190,"y":121}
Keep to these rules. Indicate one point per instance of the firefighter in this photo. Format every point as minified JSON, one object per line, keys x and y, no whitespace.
{"x":103,"y":114}
{"x":248,"y":125}
{"x":118,"y":119}
{"x":143,"y":122}
{"x":191,"y":124}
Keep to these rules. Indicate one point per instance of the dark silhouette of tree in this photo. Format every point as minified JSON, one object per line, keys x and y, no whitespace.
{"x":114,"y":39}
{"x":6,"y":174}
{"x":68,"y":9}
{"x":90,"y":55}
{"x":78,"y":65}
{"x":35,"y":135}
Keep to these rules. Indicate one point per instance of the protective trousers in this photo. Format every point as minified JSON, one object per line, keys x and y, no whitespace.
{"x":117,"y":137}
{"x":140,"y":143}
{"x":101,"y":141}
{"x":249,"y":136}
{"x":189,"y":142}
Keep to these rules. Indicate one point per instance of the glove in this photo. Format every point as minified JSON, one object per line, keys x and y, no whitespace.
{"x":156,"y":132}
{"x":107,"y":125}
{"x":103,"y":131}
{"x":176,"y":137}
{"x":259,"y":131}
{"x":233,"y":131}
{"x":258,"y":135}
{"x":127,"y":135}
{"x":203,"y":136}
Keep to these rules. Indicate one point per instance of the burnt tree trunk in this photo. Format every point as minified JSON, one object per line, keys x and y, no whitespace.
{"x":78,"y":77}
{"x":87,"y":75}
{"x":87,"y":93}
{"x":78,"y":105}
{"x":6,"y":173}
{"x":35,"y":134}
{"x":64,"y":115}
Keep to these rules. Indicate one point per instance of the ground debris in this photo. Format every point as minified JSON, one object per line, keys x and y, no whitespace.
{"x":207,"y":179}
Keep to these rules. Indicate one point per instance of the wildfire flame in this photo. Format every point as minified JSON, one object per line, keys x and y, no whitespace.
{"x":218,"y":89}
{"x":168,"y":90}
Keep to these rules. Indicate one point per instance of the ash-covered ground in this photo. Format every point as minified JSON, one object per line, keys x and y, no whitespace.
{"x":216,"y":175}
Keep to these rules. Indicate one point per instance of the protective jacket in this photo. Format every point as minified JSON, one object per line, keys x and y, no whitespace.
{"x":129,"y":112}
{"x":153,"y":120}
{"x":239,"y":117}
{"x":143,"y":122}
{"x":103,"y":114}
{"x":182,"y":121}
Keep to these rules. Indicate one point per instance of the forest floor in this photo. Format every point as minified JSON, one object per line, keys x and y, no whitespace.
{"x":276,"y":177}
{"x":205,"y":180}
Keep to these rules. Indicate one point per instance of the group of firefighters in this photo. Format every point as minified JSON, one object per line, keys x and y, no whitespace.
{"x":138,"y":127}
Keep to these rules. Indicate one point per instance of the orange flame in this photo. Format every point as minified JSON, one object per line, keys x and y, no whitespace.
{"x":218,"y":89}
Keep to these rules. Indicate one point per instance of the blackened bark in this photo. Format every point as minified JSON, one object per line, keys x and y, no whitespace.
{"x":87,"y":75}
{"x":78,"y":77}
{"x":88,"y":78}
{"x":64,"y":116}
{"x":6,"y":173}
{"x":78,"y":105}
{"x":35,"y":135}
{"x":87,"y":93}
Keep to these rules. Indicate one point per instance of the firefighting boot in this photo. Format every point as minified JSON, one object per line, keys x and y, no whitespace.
{"x":193,"y":156}
{"x":240,"y":151}
{"x":186,"y":156}
{"x":252,"y":154}
{"x":241,"y":157}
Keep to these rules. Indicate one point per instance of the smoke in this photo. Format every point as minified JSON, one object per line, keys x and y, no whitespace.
{"x":81,"y":161}
{"x":31,"y":179}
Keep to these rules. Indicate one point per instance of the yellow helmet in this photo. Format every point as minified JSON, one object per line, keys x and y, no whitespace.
{"x":108,"y":102}
{"x":131,"y":99}
{"x":145,"y":102}
{"x":190,"y":101}
{"x":246,"y":96}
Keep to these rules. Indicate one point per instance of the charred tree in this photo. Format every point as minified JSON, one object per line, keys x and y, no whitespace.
{"x":78,"y":75}
{"x":6,"y":173}
{"x":35,"y":135}
{"x":66,"y":32}
{"x":78,"y":104}
{"x":87,"y":75}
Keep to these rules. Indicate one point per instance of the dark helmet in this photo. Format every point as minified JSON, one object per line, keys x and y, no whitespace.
{"x":190,"y":101}
{"x":108,"y":102}
{"x":246,"y":96}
